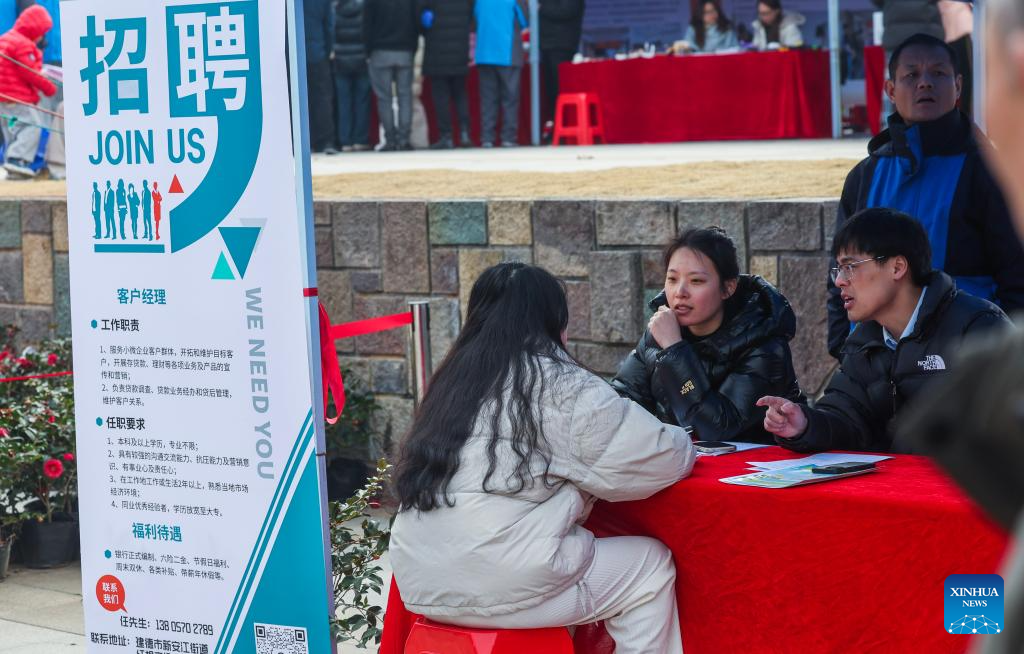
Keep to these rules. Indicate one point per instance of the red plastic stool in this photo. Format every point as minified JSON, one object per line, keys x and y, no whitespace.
{"x":428,"y":637}
{"x":588,"y":126}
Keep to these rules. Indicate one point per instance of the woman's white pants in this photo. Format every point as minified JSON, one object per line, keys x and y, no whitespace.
{"x":630,"y":585}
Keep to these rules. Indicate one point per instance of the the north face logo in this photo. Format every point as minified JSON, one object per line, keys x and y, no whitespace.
{"x":932,"y":362}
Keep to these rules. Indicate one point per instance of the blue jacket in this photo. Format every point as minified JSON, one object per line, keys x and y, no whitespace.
{"x":935,"y":172}
{"x":318,"y":18}
{"x":498,"y":23}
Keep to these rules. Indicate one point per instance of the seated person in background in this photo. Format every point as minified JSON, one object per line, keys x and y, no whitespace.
{"x":717,"y":342}
{"x":773,"y":25}
{"x":928,"y":164}
{"x":709,"y":30}
{"x":910,"y":320}
{"x":512,"y":445}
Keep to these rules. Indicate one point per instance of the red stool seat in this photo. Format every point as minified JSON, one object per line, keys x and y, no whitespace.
{"x":427,"y":637}
{"x":578,"y":119}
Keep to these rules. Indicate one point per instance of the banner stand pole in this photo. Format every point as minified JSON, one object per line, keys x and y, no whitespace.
{"x":296,"y":48}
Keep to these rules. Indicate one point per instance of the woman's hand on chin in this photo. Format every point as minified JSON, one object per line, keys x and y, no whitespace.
{"x":664,"y":328}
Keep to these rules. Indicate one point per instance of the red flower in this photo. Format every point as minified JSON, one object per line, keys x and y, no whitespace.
{"x":51,"y":360}
{"x":23,"y":362}
{"x":4,"y":433}
{"x":69,"y":456}
{"x":51,"y":419}
{"x":53,"y":468}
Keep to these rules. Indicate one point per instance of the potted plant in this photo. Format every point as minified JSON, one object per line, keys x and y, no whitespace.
{"x":37,"y":418}
{"x":9,"y":517}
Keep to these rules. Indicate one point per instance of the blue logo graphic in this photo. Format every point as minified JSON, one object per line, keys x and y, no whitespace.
{"x":214,"y":70}
{"x":974,"y":604}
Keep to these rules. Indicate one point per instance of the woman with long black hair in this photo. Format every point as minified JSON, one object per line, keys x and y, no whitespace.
{"x":512,"y":445}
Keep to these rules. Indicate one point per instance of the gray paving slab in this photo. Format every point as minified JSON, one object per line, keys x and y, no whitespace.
{"x":601,"y":157}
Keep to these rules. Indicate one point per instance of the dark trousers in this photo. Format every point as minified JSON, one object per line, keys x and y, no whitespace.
{"x":549,"y":63}
{"x":320,"y":92}
{"x":353,"y":107}
{"x":444,"y":89}
{"x":499,"y":91}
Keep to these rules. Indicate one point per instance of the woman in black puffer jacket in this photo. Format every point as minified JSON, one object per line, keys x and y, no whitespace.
{"x":716,"y":343}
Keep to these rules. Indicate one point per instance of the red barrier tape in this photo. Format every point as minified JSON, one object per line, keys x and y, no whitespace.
{"x":49,"y":374}
{"x":333,"y":384}
{"x":370,"y":325}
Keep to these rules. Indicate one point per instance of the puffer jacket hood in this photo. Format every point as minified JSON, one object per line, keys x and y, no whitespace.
{"x":33,"y":23}
{"x":18,"y":82}
{"x":756,"y":312}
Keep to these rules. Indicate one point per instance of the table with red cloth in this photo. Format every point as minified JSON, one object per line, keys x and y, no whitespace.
{"x":850,"y":565}
{"x":874,"y":79}
{"x":748,"y":96}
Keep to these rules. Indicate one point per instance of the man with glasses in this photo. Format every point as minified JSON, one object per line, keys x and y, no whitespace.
{"x":910,"y":320}
{"x":928,"y":163}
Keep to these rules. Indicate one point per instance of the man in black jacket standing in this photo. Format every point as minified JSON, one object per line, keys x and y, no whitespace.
{"x":446,"y":63}
{"x":910,"y":321}
{"x":391,"y":36}
{"x":928,"y":164}
{"x":351,"y":77}
{"x":561,"y":22}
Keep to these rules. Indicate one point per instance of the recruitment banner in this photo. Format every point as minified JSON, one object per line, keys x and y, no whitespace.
{"x":200,"y":498}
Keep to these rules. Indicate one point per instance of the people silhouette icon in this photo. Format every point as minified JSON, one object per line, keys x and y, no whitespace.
{"x":122,"y":206}
{"x":133,"y":209}
{"x":147,"y":211}
{"x":157,"y":199}
{"x":97,"y":207}
{"x":108,"y":212}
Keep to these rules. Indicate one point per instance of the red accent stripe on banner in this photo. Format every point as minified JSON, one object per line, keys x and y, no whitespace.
{"x":370,"y":325}
{"x":310,"y":292}
{"x":26,"y":377}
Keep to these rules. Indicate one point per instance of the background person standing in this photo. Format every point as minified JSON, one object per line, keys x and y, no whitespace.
{"x":499,"y":59}
{"x":391,"y":36}
{"x":561,"y":23}
{"x":319,"y":23}
{"x":446,"y":63}
{"x":351,"y":77}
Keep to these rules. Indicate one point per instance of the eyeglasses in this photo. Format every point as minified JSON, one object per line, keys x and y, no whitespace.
{"x":846,"y":270}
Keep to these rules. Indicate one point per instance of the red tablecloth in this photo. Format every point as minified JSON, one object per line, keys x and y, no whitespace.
{"x":852,"y":565}
{"x":874,"y":77}
{"x":750,"y":96}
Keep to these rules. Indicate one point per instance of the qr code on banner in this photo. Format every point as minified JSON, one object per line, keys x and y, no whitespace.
{"x":277,"y":639}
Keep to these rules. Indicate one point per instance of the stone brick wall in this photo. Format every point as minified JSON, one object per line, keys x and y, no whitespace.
{"x":375,"y":257}
{"x":34,"y":268}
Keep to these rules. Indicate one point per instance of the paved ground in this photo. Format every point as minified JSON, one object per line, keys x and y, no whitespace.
{"x":602,"y":157}
{"x":41,"y":612}
{"x":465,"y":171}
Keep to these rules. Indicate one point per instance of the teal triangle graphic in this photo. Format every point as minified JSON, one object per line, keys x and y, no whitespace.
{"x":295,"y":563}
{"x":241,"y":241}
{"x":222,"y":270}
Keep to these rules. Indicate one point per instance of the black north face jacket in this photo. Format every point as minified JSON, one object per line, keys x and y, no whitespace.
{"x":711,"y":384}
{"x":873,"y":382}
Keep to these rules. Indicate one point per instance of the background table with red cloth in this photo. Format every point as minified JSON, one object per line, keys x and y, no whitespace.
{"x":874,"y":78}
{"x":851,"y":565}
{"x":749,"y":96}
